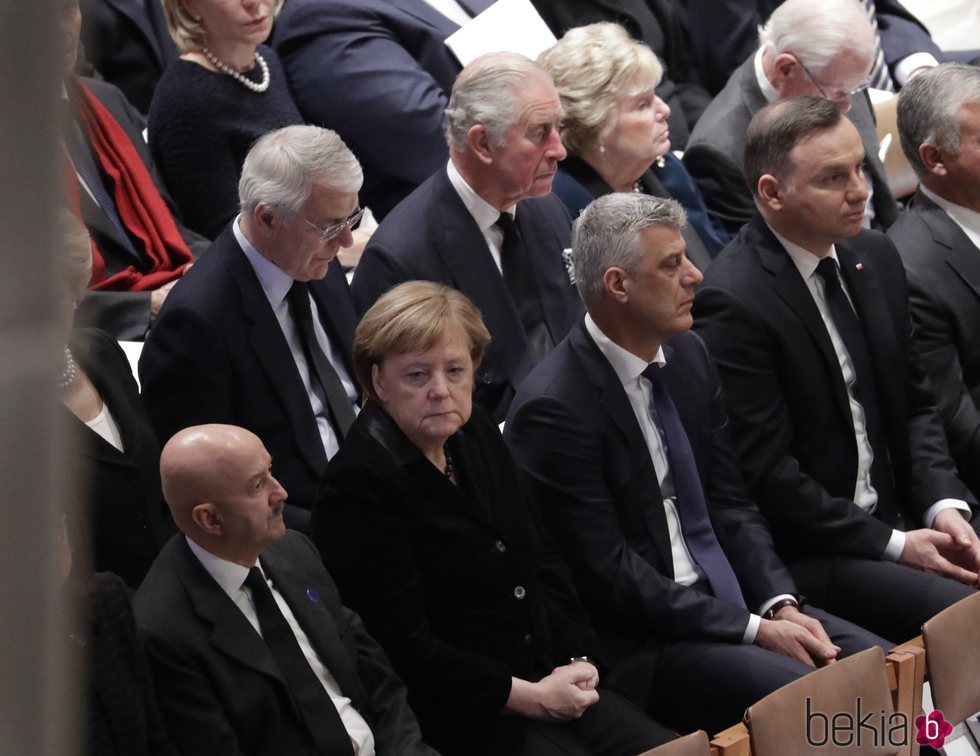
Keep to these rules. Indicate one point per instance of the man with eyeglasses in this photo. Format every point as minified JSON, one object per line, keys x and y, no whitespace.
{"x":260,"y":336}
{"x":803,"y":51}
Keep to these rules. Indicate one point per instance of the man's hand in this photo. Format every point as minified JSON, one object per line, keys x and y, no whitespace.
{"x":965,"y":551}
{"x":925,"y":550}
{"x":797,"y":636}
{"x":559,"y":697}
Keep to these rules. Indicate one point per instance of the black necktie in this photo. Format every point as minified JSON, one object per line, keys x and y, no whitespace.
{"x":852,"y":334}
{"x":84,"y":161}
{"x":519,"y":279}
{"x":689,"y":496}
{"x":338,"y":403}
{"x":310,"y":698}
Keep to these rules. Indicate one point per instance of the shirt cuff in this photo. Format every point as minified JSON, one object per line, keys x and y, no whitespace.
{"x":939,"y":506}
{"x":896,"y":544}
{"x":902,"y":70}
{"x":752,"y":629}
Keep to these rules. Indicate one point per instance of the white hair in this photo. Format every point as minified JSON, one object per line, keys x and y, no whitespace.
{"x":283,"y":166}
{"x":818,"y":31}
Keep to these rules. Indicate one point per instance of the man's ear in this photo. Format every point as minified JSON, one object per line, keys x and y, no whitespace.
{"x":615,"y":282}
{"x":933,"y":158}
{"x":480,"y":144}
{"x":784,"y":67}
{"x":264,"y":217}
{"x":770,"y":192}
{"x":207,"y":518}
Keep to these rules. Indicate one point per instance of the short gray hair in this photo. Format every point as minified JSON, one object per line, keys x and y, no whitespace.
{"x":817,"y":31}
{"x":283,"y":166}
{"x":929,"y":110}
{"x":607,"y":234}
{"x":486,"y":93}
{"x":592,"y":67}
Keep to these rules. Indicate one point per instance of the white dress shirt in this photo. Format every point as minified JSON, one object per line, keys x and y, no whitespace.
{"x":483,"y":213}
{"x":968,"y":220}
{"x":629,"y":369}
{"x":865,"y":495}
{"x":276,"y":284}
{"x":231,"y":579}
{"x":105,"y":425}
{"x":451,"y":10}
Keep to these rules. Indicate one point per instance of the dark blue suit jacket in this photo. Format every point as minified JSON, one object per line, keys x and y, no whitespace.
{"x":788,"y":404}
{"x":379,"y":74}
{"x":217,"y":355}
{"x":572,"y":428}
{"x":431,"y":236}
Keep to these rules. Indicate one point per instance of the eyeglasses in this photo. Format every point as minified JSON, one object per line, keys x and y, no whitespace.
{"x":336,"y":229}
{"x":840,"y":95}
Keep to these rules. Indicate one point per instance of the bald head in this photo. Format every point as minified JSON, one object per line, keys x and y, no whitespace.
{"x":218,"y":483}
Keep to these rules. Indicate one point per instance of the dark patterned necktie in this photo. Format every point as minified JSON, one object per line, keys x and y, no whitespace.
{"x":519,"y":278}
{"x":692,"y":509}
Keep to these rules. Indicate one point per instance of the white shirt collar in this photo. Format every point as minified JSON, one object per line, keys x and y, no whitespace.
{"x":628,"y":366}
{"x":482,"y":211}
{"x":805,"y":261}
{"x":275,"y":282}
{"x":768,"y":91}
{"x":229,"y":575}
{"x":964,"y":217}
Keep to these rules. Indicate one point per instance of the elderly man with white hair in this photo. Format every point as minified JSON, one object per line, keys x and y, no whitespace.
{"x":823,"y":49}
{"x":260,"y":335}
{"x":487,"y":224}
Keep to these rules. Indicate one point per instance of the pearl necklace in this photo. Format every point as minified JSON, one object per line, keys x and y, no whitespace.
{"x":255,"y":86}
{"x":68,"y":374}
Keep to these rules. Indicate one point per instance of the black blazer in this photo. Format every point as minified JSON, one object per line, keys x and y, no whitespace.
{"x":431,"y":236}
{"x":217,"y":355}
{"x":124,"y":314}
{"x":123,"y":717}
{"x":126,"y":513}
{"x":575,"y":433}
{"x":715,"y":152}
{"x":788,"y":404}
{"x":458,"y":584}
{"x":943,"y":268}
{"x":219,"y":686}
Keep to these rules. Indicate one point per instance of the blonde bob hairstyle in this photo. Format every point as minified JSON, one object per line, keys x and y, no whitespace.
{"x":593,"y":67}
{"x":414,"y":317}
{"x":187,"y":32}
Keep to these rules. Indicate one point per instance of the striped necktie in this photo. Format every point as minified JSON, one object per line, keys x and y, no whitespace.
{"x":880,"y":78}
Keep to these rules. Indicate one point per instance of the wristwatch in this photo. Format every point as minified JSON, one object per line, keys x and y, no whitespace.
{"x":771,"y":611}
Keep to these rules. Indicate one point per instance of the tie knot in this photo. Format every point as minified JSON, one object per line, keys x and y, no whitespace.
{"x":255,"y":579}
{"x":507,"y":224}
{"x":827,"y":270}
{"x":652,"y":373}
{"x":298,"y":298}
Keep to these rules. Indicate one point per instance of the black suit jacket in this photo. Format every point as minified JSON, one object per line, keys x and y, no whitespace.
{"x":218,"y":684}
{"x":431,"y":236}
{"x":788,"y":404}
{"x":656,"y":24}
{"x":218,"y":355}
{"x":943,"y":268}
{"x":457,"y":583}
{"x":378,"y":73}
{"x":128,"y":44}
{"x":574,"y":431}
{"x":126,"y":514}
{"x":124,"y":314}
{"x":715,"y":152}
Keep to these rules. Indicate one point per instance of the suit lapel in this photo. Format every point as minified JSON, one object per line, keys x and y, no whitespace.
{"x":465,"y":254}
{"x":231,"y":633}
{"x":962,"y":255}
{"x":319,"y":624}
{"x":615,"y":403}
{"x":790,"y":287}
{"x":272,"y":352}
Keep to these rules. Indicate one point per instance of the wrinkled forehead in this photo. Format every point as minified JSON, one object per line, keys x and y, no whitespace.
{"x":537,"y":102}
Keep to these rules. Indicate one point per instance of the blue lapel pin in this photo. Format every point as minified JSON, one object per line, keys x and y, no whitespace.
{"x":313,"y":595}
